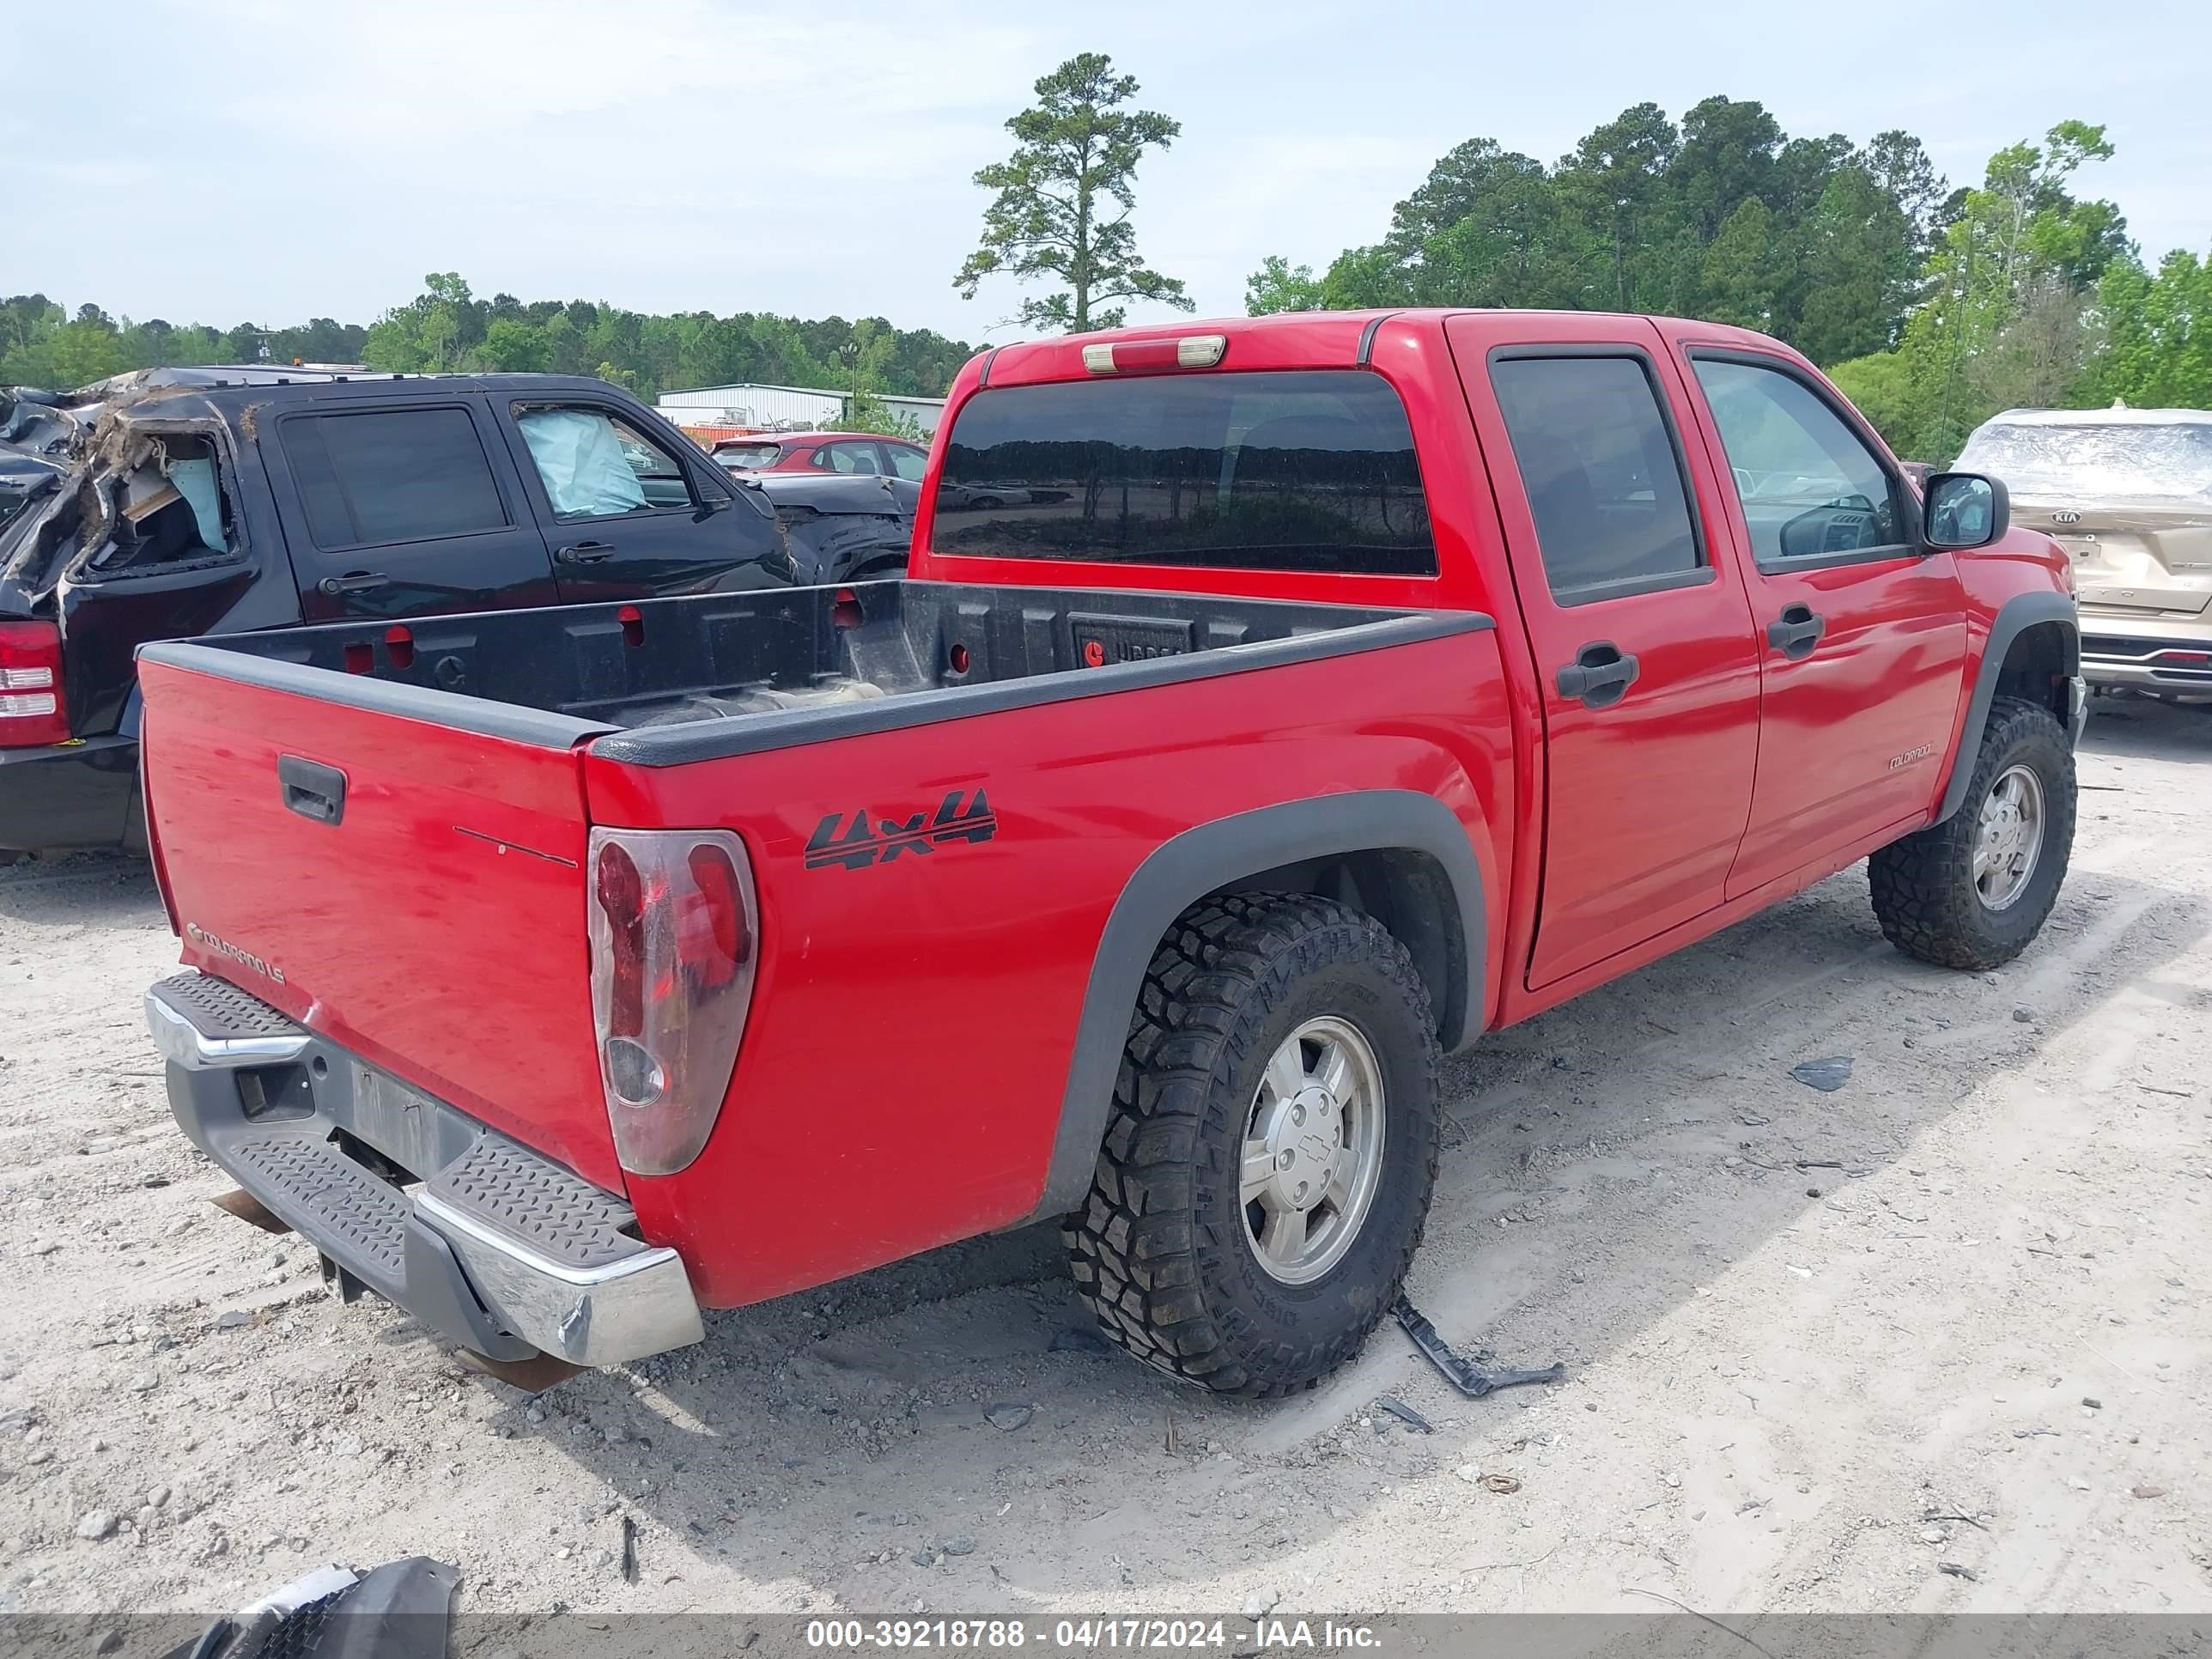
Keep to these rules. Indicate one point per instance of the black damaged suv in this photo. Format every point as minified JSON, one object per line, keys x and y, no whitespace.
{"x":175,"y":502}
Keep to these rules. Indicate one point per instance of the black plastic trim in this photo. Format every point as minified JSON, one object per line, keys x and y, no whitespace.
{"x":1208,"y":858}
{"x":1367,"y":337}
{"x":983,"y":374}
{"x":680,"y":745}
{"x":2017,"y":614}
{"x":1882,"y":555}
{"x":59,"y":798}
{"x":510,"y":721}
{"x":1630,"y":587}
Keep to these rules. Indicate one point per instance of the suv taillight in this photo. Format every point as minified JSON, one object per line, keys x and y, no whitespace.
{"x":674,"y":940}
{"x":31,"y":708}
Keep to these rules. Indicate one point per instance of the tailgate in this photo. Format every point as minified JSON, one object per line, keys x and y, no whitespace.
{"x":406,"y":885}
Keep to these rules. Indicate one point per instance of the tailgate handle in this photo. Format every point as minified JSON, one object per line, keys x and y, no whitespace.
{"x":311,"y":789}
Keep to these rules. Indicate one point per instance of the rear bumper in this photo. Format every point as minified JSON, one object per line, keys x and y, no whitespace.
{"x":2148,"y":660}
{"x":487,"y":1243}
{"x":67,"y":797}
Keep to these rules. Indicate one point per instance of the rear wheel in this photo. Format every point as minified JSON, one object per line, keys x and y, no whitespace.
{"x":1272,"y":1146}
{"x":1974,"y":890}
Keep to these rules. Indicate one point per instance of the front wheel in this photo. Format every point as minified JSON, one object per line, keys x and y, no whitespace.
{"x":1974,"y":890}
{"x":1272,"y":1146}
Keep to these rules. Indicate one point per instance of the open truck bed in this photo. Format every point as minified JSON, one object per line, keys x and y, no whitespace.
{"x":389,"y":840}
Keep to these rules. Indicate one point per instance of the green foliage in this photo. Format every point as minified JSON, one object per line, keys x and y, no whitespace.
{"x":1276,"y":286}
{"x":867,"y":412}
{"x":1054,"y":217}
{"x":1723,"y":217}
{"x":446,"y":328}
{"x":2005,"y":321}
{"x":41,"y":344}
{"x":2158,"y":351}
{"x":1935,"y":307}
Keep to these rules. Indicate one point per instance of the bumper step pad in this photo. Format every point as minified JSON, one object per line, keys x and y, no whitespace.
{"x":328,"y":1198}
{"x":499,"y":1249}
{"x":539,"y":1206}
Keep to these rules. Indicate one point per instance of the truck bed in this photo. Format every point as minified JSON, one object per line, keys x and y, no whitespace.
{"x":382,"y":831}
{"x":663,"y":681}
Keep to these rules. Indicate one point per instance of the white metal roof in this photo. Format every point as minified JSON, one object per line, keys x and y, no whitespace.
{"x":708,"y":395}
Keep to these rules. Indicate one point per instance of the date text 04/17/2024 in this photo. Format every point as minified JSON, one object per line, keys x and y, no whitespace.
{"x":1091,"y":1635}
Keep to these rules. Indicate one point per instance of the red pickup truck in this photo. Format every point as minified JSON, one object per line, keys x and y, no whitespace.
{"x":1321,"y":692}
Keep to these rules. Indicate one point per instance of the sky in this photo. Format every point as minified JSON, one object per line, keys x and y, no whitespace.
{"x":228,"y":160}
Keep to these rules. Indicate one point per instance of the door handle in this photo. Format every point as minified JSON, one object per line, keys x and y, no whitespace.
{"x":358,"y":581}
{"x":1600,"y":675}
{"x":586,"y":553}
{"x":1797,"y":631}
{"x":311,"y":789}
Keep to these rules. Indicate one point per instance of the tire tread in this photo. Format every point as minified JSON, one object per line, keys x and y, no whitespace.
{"x":1132,"y":1245}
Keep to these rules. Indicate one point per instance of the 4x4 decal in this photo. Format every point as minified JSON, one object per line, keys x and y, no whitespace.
{"x":867,"y":839}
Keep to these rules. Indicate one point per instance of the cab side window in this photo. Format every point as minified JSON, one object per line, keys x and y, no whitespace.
{"x":1604,"y":483}
{"x":1810,"y":487}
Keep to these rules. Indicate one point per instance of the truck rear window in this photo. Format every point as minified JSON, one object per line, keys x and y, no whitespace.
{"x":1304,"y":471}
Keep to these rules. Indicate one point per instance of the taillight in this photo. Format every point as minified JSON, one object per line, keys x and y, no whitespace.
{"x":31,"y":707}
{"x":674,"y":943}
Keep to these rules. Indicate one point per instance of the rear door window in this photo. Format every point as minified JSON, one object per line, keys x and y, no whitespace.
{"x":381,"y":476}
{"x":1604,"y":482}
{"x":1305,"y":471}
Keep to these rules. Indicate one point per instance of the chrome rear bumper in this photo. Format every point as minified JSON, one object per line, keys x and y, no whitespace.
{"x":498,"y":1248}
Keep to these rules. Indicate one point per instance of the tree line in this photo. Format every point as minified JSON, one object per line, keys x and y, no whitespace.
{"x":446,"y":328}
{"x":1933,"y":307}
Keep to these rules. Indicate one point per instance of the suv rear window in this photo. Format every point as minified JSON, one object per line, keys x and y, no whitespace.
{"x":1299,"y":471}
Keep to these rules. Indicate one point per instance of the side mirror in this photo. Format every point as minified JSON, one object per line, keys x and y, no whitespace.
{"x":1963,"y":510}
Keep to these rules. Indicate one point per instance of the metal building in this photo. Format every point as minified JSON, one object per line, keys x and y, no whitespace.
{"x":785,"y":408}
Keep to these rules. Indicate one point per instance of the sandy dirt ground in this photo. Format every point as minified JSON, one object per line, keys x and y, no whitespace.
{"x":1818,"y":1345}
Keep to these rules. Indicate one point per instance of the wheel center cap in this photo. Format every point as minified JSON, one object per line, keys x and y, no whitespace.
{"x":1307,"y":1138}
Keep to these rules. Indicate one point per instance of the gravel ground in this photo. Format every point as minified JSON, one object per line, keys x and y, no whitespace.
{"x":1821,"y":1348}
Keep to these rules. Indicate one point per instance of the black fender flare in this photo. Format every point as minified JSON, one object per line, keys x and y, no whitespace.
{"x":1211,"y":856}
{"x":2014,"y":617}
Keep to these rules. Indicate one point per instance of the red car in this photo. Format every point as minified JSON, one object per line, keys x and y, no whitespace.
{"x":1347,"y":686}
{"x":825,"y":452}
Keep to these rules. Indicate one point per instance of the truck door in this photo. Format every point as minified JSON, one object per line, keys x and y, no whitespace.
{"x":396,"y":508}
{"x":1638,"y":623}
{"x":629,"y":515}
{"x":1861,"y":636}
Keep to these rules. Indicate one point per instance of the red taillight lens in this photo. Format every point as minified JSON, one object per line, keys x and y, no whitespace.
{"x":673,"y":926}
{"x":621,"y":898}
{"x":31,"y":711}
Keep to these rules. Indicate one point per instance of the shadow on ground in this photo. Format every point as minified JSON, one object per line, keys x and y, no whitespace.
{"x":844,"y":1435}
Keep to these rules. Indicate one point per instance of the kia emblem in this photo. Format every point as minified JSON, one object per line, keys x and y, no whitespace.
{"x":2069,"y":516}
